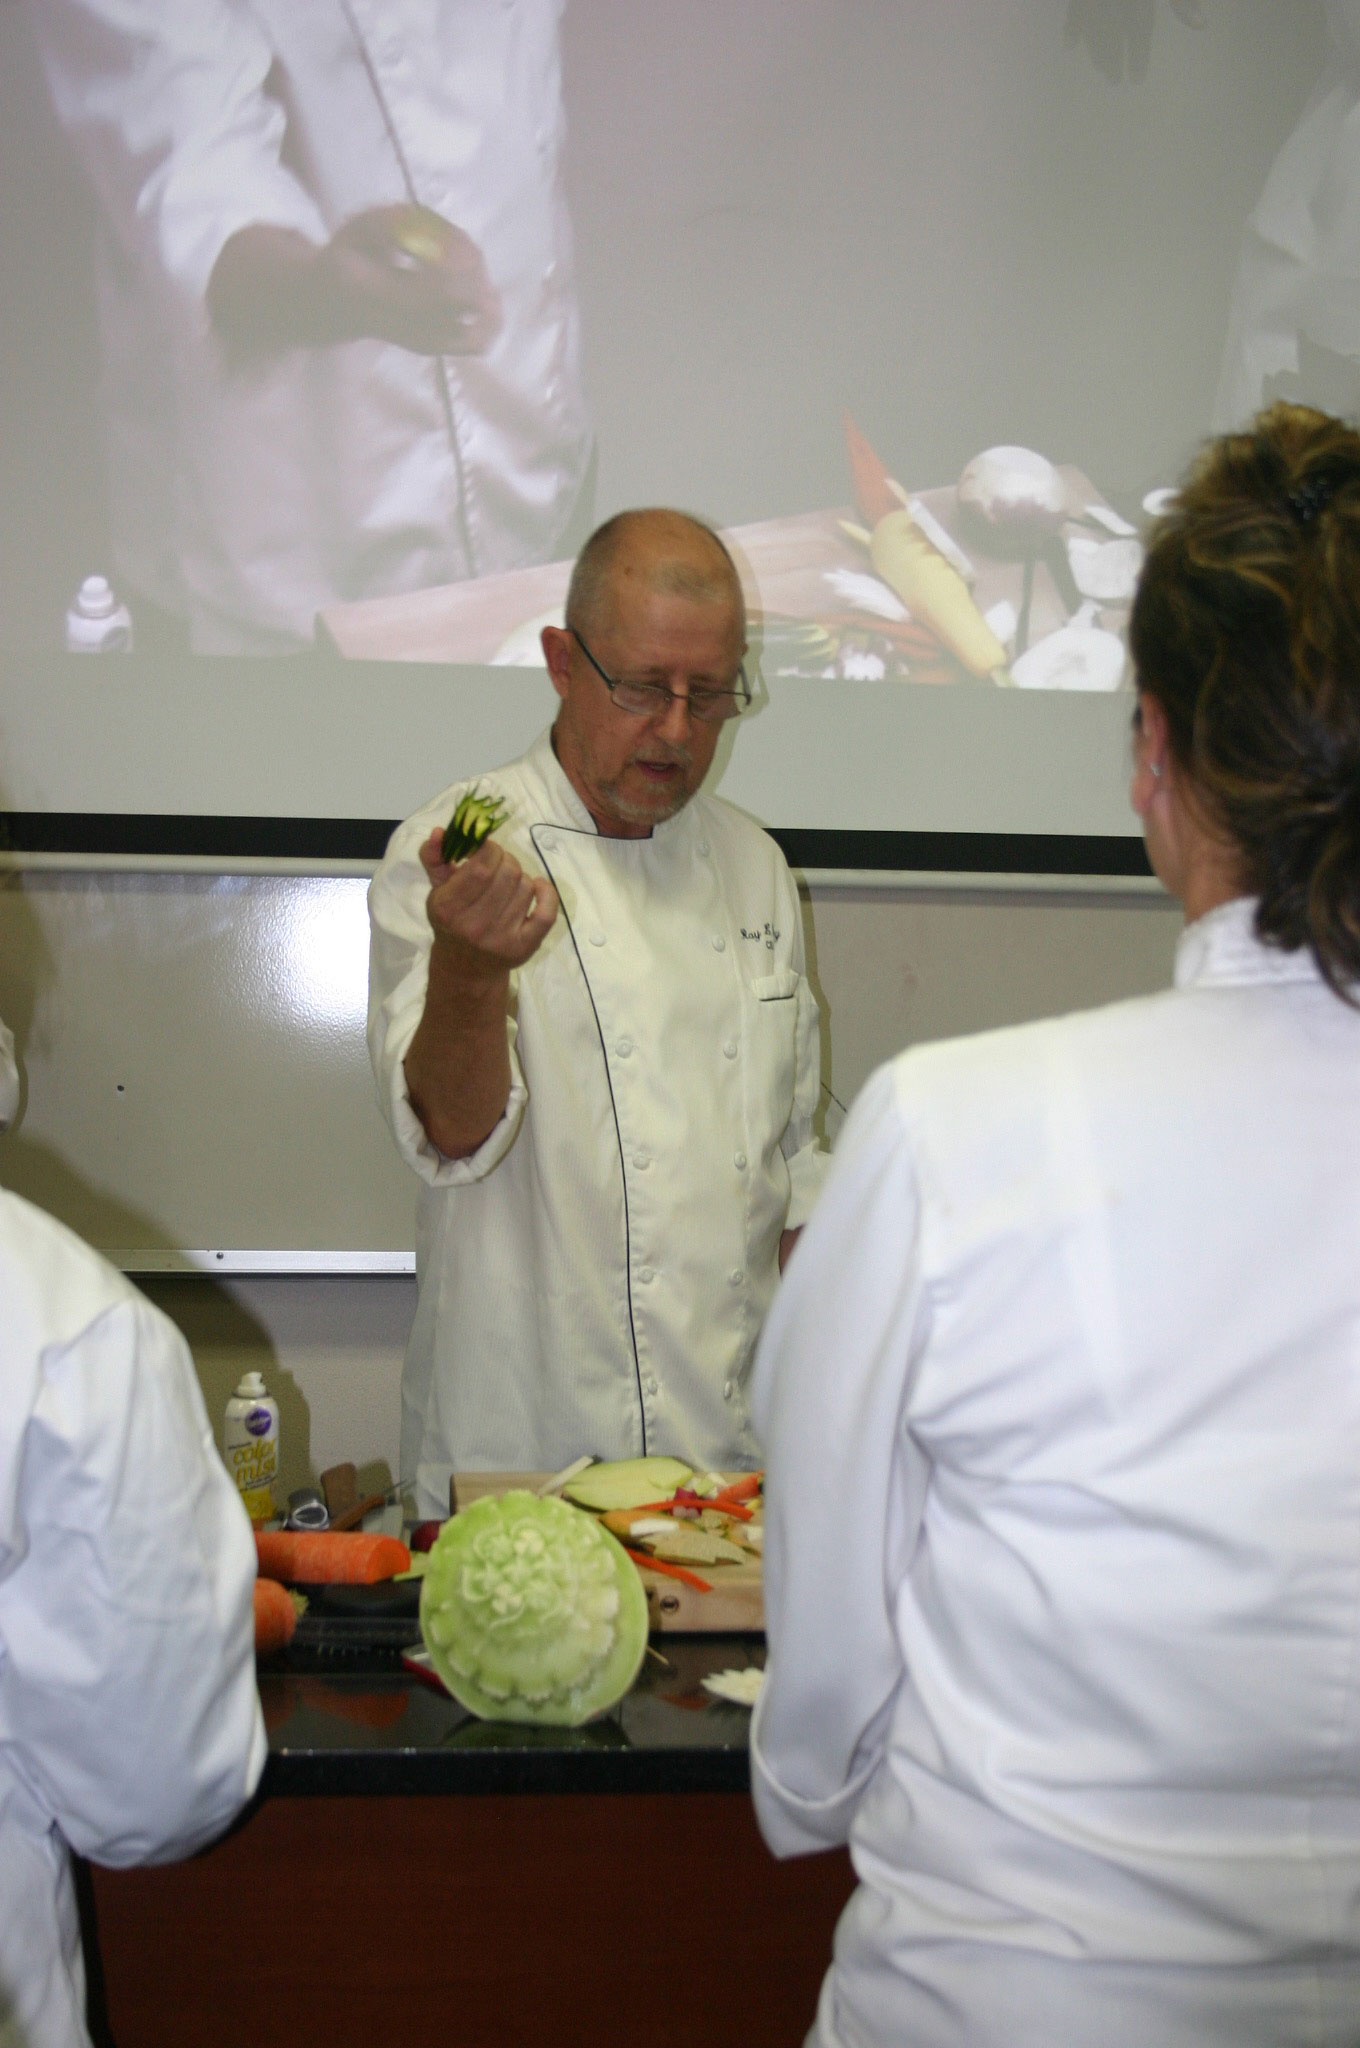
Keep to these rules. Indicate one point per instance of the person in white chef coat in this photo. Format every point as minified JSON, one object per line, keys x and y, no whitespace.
{"x":130,"y":1728}
{"x":336,"y":299}
{"x":1294,"y":324}
{"x":1061,"y":1398}
{"x":596,"y":1044}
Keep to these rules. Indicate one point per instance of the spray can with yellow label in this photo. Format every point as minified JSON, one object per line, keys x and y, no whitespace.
{"x":251,"y":1445}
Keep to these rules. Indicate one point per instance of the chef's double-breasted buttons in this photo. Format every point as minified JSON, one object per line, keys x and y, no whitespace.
{"x":647,"y":1275}
{"x":739,"y":1161}
{"x":623,"y":1047}
{"x":735,"y":1277}
{"x":730,"y":1049}
{"x":719,"y":943}
{"x":597,"y":938}
{"x":729,"y":1389}
{"x":641,"y":1161}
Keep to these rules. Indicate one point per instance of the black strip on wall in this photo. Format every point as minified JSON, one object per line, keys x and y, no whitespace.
{"x":980,"y":853}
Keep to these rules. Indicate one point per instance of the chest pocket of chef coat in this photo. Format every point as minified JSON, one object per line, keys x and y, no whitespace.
{"x":774,"y":1047}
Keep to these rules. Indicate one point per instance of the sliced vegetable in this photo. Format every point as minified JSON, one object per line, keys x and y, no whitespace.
{"x":682,"y":1543}
{"x":627,"y":1483}
{"x":747,"y":1487}
{"x":323,"y":1557}
{"x":672,"y":1571}
{"x":475,"y":818}
{"x":719,"y":1503}
{"x":276,"y":1617}
{"x":933,"y":591}
{"x":531,"y":1612}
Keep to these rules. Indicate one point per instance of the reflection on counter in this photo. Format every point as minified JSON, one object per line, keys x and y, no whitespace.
{"x":365,"y":1726}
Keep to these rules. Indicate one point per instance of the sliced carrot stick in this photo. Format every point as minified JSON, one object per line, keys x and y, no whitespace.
{"x":873,"y":493}
{"x":321,"y":1557}
{"x":671,"y":1571}
{"x":745,"y":1488}
{"x":723,"y":1502}
{"x":275,"y":1618}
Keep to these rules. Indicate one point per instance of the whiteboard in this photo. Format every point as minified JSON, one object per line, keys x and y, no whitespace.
{"x":198,"y":1091}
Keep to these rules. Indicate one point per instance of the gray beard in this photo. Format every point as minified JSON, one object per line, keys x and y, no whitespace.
{"x":644,"y":814}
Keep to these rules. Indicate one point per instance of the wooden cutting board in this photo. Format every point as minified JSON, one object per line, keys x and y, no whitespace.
{"x":783,"y":565}
{"x":734,"y":1606}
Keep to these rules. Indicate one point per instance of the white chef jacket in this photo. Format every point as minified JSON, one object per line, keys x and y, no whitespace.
{"x":247,"y":498}
{"x":130,"y":1730}
{"x":1061,"y":1401}
{"x":1300,"y":265}
{"x":594,"y":1277}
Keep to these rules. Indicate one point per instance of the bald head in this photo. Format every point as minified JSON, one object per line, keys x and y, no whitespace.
{"x":651,"y":549}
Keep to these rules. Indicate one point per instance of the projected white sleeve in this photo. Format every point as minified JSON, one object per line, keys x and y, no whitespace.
{"x":167,"y":108}
{"x":844,"y":1485}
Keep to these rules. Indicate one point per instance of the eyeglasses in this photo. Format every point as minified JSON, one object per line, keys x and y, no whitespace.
{"x":651,"y":700}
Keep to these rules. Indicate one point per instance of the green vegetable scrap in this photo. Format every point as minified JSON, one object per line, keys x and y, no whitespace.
{"x":474,"y":819}
{"x":532,"y":1612}
{"x":626,"y":1483}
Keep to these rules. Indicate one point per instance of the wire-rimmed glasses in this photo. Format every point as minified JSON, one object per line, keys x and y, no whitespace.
{"x":651,"y":700}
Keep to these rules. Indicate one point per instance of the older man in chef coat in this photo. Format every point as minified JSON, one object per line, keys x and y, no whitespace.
{"x":596,"y":1044}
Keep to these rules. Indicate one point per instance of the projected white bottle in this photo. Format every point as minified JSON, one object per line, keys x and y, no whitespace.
{"x":96,"y":622}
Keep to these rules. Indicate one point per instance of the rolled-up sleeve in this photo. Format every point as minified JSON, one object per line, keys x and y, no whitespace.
{"x":127,"y":1686}
{"x":843,"y":1488}
{"x":398,"y":975}
{"x":167,"y":105}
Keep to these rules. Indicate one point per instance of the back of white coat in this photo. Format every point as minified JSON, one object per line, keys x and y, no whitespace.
{"x":130,"y":1728}
{"x":1078,"y":1672}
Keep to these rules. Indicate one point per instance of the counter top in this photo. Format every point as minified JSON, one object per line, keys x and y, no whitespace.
{"x":377,"y":1731}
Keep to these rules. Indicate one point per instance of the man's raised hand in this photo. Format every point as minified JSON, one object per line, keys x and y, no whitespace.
{"x":487,"y":914}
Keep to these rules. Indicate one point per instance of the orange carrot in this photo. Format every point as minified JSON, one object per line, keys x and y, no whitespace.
{"x":323,"y":1557}
{"x":745,"y":1488}
{"x":275,"y":1618}
{"x":724,"y":1503}
{"x":870,"y":478}
{"x":672,"y":1571}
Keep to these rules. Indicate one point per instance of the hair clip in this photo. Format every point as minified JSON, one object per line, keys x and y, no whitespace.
{"x":1311,"y":498}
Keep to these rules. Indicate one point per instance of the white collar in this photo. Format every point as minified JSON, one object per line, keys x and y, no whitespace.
{"x":1221,"y":950}
{"x":564,"y":805}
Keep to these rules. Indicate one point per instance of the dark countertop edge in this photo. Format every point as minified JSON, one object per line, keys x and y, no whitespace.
{"x":459,"y":1773}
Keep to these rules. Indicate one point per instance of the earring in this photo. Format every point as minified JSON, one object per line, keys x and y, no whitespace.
{"x":1156,"y":768}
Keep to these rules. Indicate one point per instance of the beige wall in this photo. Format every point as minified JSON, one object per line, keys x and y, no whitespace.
{"x":891,"y":968}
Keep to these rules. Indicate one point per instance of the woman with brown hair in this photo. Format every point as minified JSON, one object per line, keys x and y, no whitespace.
{"x":1061,"y":1397}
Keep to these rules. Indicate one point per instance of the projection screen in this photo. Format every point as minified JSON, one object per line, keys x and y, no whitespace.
{"x":328,"y":331}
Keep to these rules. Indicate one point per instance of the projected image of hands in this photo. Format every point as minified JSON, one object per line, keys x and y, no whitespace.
{"x":335,"y":309}
{"x":336,"y":327}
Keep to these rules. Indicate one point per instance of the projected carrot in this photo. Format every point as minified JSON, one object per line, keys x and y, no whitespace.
{"x":909,"y":563}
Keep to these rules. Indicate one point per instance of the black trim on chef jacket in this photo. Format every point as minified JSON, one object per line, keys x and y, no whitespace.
{"x":439,"y":364}
{"x":548,"y":825}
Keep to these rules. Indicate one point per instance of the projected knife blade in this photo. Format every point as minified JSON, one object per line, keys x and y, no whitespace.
{"x":912,"y":565}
